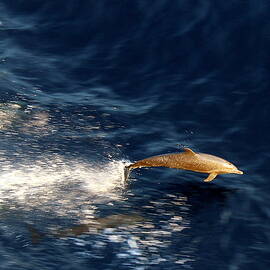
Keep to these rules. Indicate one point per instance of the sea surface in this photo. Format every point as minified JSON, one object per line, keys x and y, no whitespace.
{"x":87,"y":87}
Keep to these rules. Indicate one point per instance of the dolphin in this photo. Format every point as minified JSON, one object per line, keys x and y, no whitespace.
{"x":112,"y":221}
{"x":187,"y":160}
{"x":97,"y":224}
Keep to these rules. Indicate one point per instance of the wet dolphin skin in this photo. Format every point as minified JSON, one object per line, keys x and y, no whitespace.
{"x":188,"y":160}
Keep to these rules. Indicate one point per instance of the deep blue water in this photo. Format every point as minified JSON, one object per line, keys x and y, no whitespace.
{"x":88,"y":86}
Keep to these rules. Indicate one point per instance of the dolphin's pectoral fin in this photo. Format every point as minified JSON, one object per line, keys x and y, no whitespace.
{"x":210,"y":177}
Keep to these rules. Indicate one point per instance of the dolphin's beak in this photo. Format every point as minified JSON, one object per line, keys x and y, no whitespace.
{"x":239,"y":172}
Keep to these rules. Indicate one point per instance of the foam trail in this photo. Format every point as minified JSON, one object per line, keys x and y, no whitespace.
{"x":61,"y":185}
{"x":107,"y":177}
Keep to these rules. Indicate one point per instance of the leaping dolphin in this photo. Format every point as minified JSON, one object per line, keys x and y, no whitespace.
{"x":187,"y":160}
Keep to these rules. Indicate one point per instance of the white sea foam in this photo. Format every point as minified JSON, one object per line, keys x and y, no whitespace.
{"x":61,"y":185}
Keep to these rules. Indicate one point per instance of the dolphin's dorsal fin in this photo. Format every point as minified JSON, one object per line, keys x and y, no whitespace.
{"x":188,"y":150}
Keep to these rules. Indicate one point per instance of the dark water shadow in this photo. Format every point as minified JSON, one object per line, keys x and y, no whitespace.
{"x":205,"y":210}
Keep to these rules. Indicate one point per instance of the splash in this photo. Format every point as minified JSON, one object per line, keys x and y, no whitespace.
{"x":61,"y":186}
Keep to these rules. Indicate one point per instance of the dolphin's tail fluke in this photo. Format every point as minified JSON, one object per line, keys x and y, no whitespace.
{"x":36,"y":236}
{"x":127,"y":171}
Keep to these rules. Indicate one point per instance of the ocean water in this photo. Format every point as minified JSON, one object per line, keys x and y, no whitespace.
{"x":87,"y":87}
